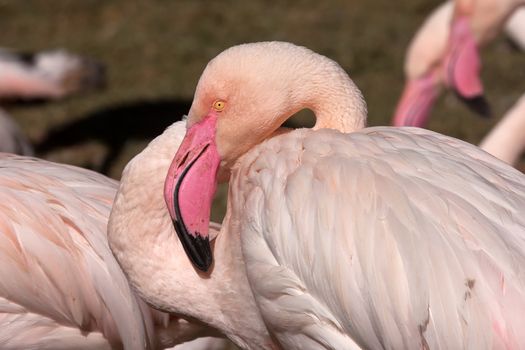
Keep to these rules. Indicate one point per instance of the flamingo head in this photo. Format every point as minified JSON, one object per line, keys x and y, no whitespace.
{"x":48,"y":75}
{"x":236,"y":105}
{"x":242,"y":98}
{"x":73,"y":74}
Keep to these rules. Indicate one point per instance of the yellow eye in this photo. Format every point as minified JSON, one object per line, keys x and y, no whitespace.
{"x":219,"y":105}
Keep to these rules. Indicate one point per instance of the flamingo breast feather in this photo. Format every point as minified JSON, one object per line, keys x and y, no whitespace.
{"x":60,"y":287}
{"x":383,"y":238}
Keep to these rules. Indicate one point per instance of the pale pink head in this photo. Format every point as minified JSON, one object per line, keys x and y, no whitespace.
{"x":242,"y":97}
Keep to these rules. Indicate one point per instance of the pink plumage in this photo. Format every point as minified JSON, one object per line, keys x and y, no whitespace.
{"x":60,"y":286}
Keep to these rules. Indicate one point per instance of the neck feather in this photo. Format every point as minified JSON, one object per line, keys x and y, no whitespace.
{"x":145,"y":244}
{"x":320,"y":84}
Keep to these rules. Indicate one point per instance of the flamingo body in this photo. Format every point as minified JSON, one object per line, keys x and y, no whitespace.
{"x":353,"y":237}
{"x":65,"y":274}
{"x":60,"y":286}
{"x":369,"y":239}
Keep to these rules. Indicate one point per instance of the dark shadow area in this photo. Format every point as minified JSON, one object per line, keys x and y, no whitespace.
{"x":114,"y":125}
{"x":515,"y":47}
{"x":302,"y":119}
{"x":14,"y":102}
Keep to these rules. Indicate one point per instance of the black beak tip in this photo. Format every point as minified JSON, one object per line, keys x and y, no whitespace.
{"x":478,"y":104}
{"x":196,"y":247}
{"x":201,"y":255}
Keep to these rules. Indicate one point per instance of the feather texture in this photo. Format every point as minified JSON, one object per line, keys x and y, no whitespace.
{"x":383,"y":238}
{"x":60,"y":286}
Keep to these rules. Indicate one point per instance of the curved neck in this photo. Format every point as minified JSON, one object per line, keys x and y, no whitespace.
{"x":323,"y":86}
{"x":334,"y":112}
{"x":144,"y":242}
{"x":507,"y":140}
{"x":267,"y":84}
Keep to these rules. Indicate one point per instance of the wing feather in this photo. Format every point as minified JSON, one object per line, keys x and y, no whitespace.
{"x":55,"y":262}
{"x":386,"y":238}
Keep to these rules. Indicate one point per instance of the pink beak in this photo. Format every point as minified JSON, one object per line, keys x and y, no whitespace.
{"x":189,"y":188}
{"x":462,"y":65}
{"x":418,"y":98}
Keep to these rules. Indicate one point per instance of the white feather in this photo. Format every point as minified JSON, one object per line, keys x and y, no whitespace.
{"x":383,"y":238}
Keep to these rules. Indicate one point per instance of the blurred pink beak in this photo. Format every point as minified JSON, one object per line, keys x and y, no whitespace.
{"x":418,"y":98}
{"x":189,"y":189}
{"x":462,"y":66}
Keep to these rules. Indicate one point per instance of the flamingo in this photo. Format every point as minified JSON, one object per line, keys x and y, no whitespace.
{"x":47,"y":75}
{"x":474,"y":22}
{"x":429,"y":62}
{"x":43,"y":75}
{"x":60,"y":286}
{"x":350,"y":237}
{"x":486,"y":17}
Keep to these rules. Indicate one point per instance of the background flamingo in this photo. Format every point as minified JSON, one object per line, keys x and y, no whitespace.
{"x":378,"y":237}
{"x":47,"y":74}
{"x":424,"y":70}
{"x":486,"y":18}
{"x":43,"y":75}
{"x":473,"y":22}
{"x":424,"y":63}
{"x":60,"y":286}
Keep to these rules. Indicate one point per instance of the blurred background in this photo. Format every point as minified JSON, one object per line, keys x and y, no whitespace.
{"x":155,"y":51}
